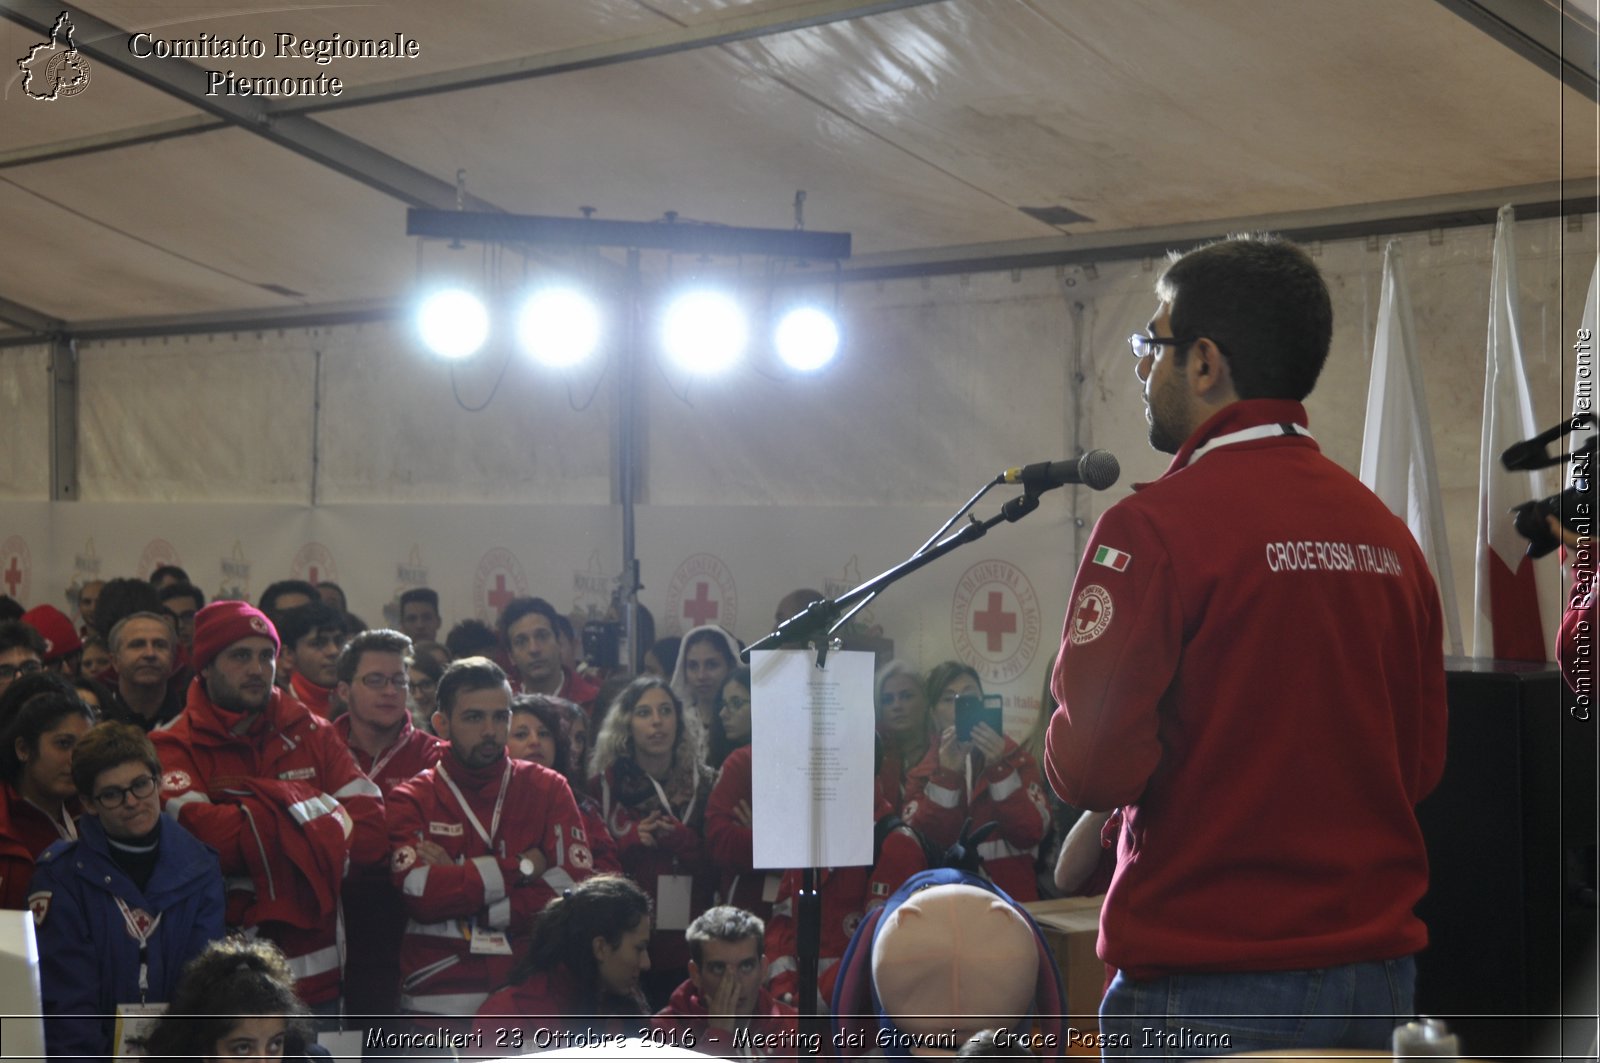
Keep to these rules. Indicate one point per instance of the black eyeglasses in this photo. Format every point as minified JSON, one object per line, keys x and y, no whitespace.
{"x":377,"y":681}
{"x":8,"y":672}
{"x":114,"y":796}
{"x":1149,"y":346}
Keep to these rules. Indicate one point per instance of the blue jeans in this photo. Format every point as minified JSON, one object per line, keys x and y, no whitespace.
{"x":1187,"y":1015}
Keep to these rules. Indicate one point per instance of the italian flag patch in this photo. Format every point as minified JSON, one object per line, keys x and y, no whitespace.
{"x":1113,"y":559}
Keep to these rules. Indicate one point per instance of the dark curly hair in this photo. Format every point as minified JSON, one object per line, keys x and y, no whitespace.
{"x":232,"y":980}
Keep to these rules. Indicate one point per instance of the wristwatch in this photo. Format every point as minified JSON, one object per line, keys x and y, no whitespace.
{"x":526,"y":868}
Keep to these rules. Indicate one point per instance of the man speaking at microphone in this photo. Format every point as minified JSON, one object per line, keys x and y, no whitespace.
{"x":1251,"y":668}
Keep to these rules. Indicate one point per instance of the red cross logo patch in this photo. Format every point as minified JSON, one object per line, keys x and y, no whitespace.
{"x":1091,"y":614}
{"x":39,"y":905}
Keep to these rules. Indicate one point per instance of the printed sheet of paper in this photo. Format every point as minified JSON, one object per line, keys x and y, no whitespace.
{"x":811,"y":758}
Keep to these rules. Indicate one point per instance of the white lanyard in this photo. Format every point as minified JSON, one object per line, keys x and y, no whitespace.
{"x":694,"y":793}
{"x":379,"y":763}
{"x":143,"y":938}
{"x":64,"y":826}
{"x":1245,"y":435}
{"x":466,"y":809}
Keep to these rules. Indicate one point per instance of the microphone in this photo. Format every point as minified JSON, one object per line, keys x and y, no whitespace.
{"x":1098,"y":469}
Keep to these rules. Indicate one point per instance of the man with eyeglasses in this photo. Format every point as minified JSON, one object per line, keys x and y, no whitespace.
{"x":273,"y":788}
{"x":722,"y":1005}
{"x":120,"y":910}
{"x":22,"y":651}
{"x":377,"y":728}
{"x":1252,"y":669}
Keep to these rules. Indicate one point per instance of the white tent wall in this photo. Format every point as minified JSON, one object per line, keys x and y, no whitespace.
{"x":249,"y":457}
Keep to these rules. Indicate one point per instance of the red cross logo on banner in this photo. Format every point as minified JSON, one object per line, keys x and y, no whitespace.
{"x":995,"y":622}
{"x":13,"y":577}
{"x":701,"y":591}
{"x":700,"y":609}
{"x":499,"y":579}
{"x":500,"y":597}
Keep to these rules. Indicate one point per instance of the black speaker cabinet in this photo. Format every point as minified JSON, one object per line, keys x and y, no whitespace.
{"x":1511,"y":833}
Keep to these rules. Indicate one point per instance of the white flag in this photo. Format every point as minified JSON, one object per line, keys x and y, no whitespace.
{"x":1505,"y":595}
{"x":1397,"y":460}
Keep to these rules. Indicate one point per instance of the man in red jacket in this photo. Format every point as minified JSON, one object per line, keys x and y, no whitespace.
{"x":480,"y":844}
{"x":722,"y":1008}
{"x":273,"y":789}
{"x":1252,"y":669}
{"x":372,"y":684}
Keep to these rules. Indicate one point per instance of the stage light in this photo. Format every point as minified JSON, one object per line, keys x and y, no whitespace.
{"x":559,"y":327}
{"x":807,"y":339}
{"x":704,"y":331}
{"x":453,"y":323}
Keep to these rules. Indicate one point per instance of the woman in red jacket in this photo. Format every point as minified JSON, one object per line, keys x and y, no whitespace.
{"x":651,"y":778}
{"x":44,"y":719}
{"x":987,"y":778}
{"x":541,"y":731}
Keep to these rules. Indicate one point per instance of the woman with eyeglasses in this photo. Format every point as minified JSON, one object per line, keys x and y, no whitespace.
{"x":424,"y":670}
{"x":123,"y":908}
{"x":43,"y":718}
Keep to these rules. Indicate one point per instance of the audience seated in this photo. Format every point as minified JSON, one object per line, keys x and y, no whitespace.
{"x":722,"y":1008}
{"x":650,"y":776}
{"x":236,"y":1001}
{"x":579,"y":975}
{"x":38,"y":800}
{"x":479,"y":844}
{"x":120,"y":910}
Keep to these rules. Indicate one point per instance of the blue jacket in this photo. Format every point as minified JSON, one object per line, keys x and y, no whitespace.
{"x":88,"y":958}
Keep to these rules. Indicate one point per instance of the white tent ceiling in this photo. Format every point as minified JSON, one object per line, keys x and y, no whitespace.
{"x":925,"y":128}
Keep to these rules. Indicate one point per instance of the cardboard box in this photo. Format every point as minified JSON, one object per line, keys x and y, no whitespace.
{"x":1072,"y":925}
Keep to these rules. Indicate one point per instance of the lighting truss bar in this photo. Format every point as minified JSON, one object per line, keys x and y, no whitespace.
{"x":681,"y":237}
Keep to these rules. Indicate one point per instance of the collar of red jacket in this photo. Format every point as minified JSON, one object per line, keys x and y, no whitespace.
{"x":311,"y":695}
{"x":1235,"y":417}
{"x":474,"y":780}
{"x":208,"y":719}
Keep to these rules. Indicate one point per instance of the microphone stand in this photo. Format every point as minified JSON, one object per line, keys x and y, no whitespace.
{"x":814,"y":626}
